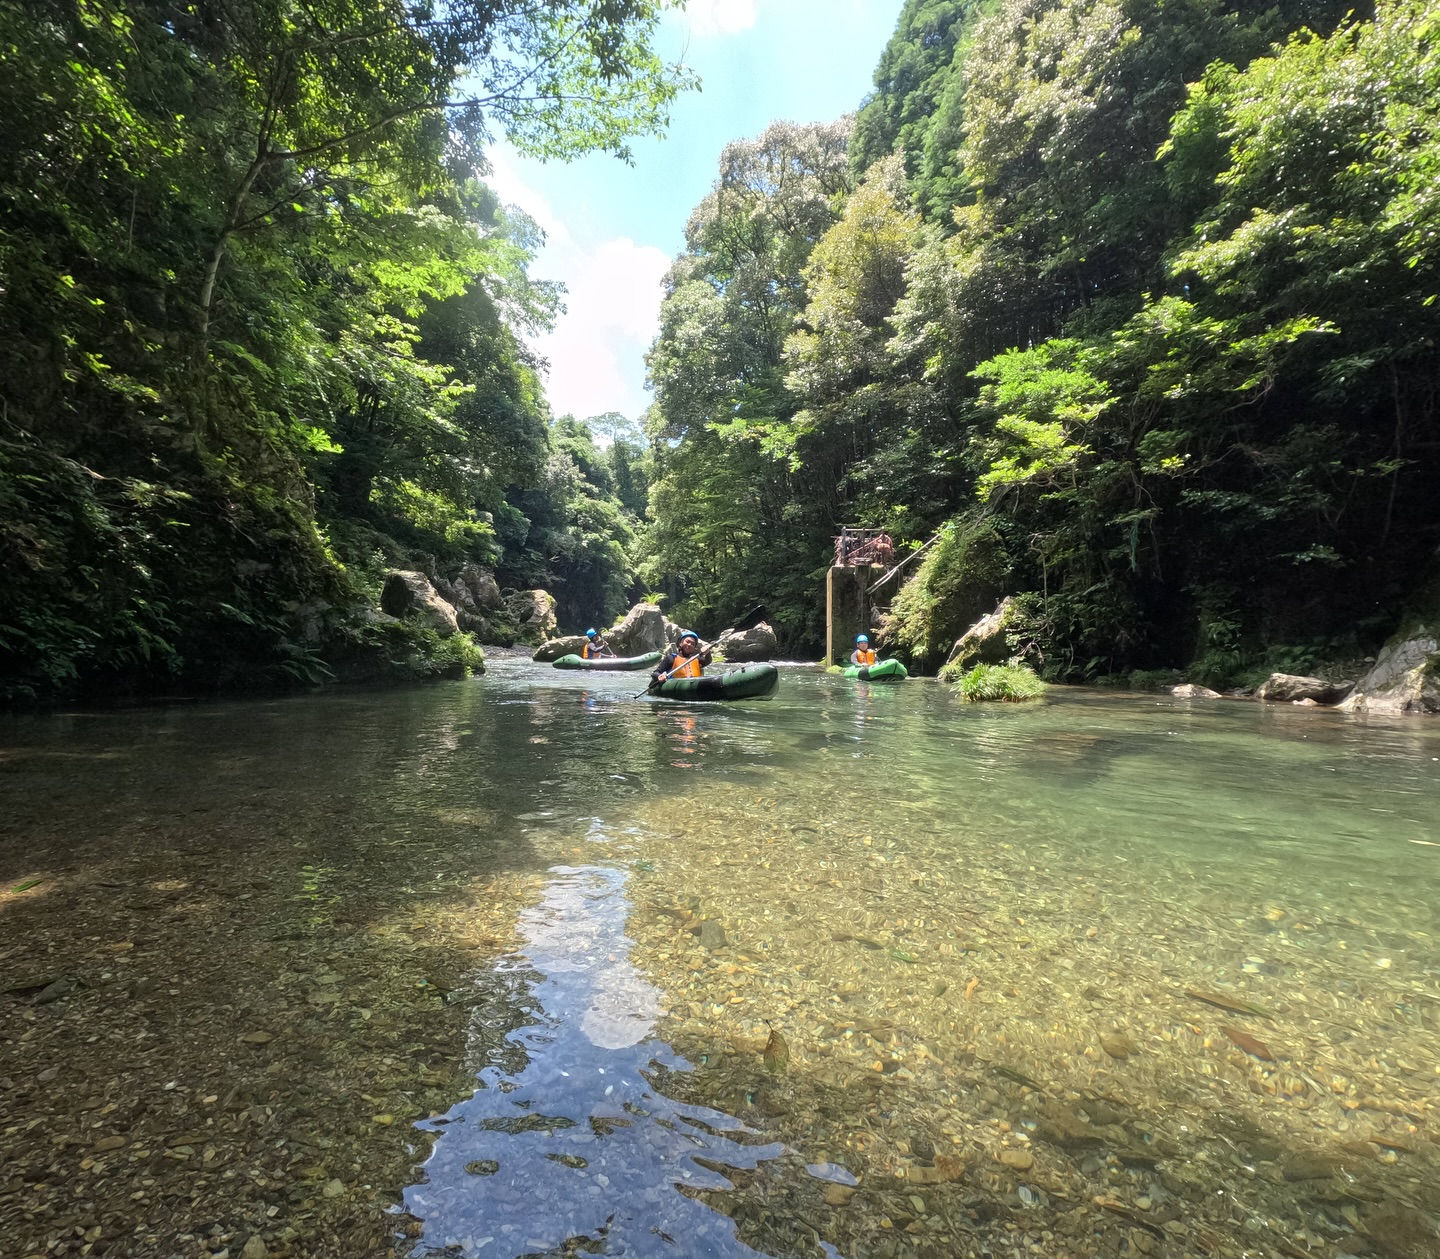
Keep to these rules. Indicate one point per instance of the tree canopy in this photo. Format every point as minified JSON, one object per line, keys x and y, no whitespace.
{"x":261,"y":324}
{"x":1134,"y":304}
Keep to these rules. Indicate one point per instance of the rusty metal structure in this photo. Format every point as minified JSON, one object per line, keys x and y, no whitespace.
{"x":859,"y":548}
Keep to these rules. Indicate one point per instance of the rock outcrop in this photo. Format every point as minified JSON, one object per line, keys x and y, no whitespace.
{"x":554,"y":648}
{"x":1285,"y":688}
{"x":410,"y":594}
{"x":1405,"y":677}
{"x":476,"y":599}
{"x":475,"y":587}
{"x":1189,"y":690}
{"x":533,"y":614}
{"x":984,"y":642}
{"x":741,"y":646}
{"x":643,"y":630}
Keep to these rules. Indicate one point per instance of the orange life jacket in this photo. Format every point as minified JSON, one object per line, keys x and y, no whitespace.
{"x":687,"y":667}
{"x":864,"y":656}
{"x":589,"y":653}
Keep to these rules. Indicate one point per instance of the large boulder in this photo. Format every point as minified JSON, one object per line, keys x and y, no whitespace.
{"x":476,"y":589}
{"x":1189,"y":690}
{"x":554,"y":648}
{"x":476,"y":598}
{"x":643,"y":630}
{"x":746,"y":645}
{"x":984,"y":642}
{"x":410,"y":594}
{"x":1405,"y":677}
{"x":533,"y":613}
{"x":1282,"y":688}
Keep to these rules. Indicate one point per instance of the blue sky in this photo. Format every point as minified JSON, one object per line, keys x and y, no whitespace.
{"x":612,"y":229}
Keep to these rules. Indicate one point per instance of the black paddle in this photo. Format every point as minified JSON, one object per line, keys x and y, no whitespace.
{"x":752,"y":618}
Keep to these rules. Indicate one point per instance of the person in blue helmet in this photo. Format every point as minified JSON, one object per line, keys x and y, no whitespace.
{"x":595,"y":646}
{"x":686,"y":661}
{"x":863,"y":655}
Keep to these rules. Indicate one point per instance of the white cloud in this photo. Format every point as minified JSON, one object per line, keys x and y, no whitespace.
{"x":612,"y":305}
{"x":509,"y":185}
{"x":612,"y":313}
{"x":705,"y":18}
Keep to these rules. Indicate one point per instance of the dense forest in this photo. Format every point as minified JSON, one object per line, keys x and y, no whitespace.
{"x":1128,"y":307}
{"x":1125,"y":308}
{"x":263,"y":329}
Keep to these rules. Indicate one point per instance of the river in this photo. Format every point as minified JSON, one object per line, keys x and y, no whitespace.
{"x":523,"y":965}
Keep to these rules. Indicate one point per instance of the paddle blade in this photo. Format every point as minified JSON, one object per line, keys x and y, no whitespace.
{"x":752,"y":618}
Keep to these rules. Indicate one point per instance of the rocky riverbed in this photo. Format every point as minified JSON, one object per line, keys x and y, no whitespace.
{"x":1099,"y":977}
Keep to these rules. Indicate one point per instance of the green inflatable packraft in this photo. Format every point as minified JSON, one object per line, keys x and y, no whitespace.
{"x":611,"y":663}
{"x":881,"y":671}
{"x":752,"y":681}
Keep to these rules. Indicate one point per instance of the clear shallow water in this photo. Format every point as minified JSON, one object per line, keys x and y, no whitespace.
{"x":977,"y":930}
{"x":575,"y":1140}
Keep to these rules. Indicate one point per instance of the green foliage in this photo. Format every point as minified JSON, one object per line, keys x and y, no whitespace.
{"x":1167,"y":316}
{"x":1153,"y":679}
{"x":404,"y":651}
{"x":1042,"y":399}
{"x":734,"y":523}
{"x":573,"y":532}
{"x":1002,"y":683}
{"x":258,"y":326}
{"x":913,"y":94}
{"x":961,"y":579}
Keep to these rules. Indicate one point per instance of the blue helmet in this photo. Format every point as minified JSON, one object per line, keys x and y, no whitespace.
{"x":862,"y":638}
{"x":684,"y":634}
{"x":589,"y":633}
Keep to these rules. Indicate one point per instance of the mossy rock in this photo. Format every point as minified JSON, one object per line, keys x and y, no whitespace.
{"x":403,"y":651}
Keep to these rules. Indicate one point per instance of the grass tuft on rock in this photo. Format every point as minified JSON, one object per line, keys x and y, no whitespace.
{"x":1002,"y":683}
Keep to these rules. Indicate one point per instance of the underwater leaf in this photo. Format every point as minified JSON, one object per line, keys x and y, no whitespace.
{"x":1255,"y":1048}
{"x":1234,"y":1004}
{"x":777,"y":1053}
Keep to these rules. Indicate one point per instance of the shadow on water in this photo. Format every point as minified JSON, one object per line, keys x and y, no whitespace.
{"x":571,"y":1144}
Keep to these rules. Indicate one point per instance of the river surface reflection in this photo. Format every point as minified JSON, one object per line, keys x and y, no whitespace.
{"x":1107,"y":975}
{"x":576,"y":1143}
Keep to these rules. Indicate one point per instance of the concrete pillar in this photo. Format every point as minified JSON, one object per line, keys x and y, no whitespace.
{"x":847,"y":610}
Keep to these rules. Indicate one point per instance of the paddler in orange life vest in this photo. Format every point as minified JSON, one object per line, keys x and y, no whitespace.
{"x":686,"y":661}
{"x":863,"y":655}
{"x":595,"y":647}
